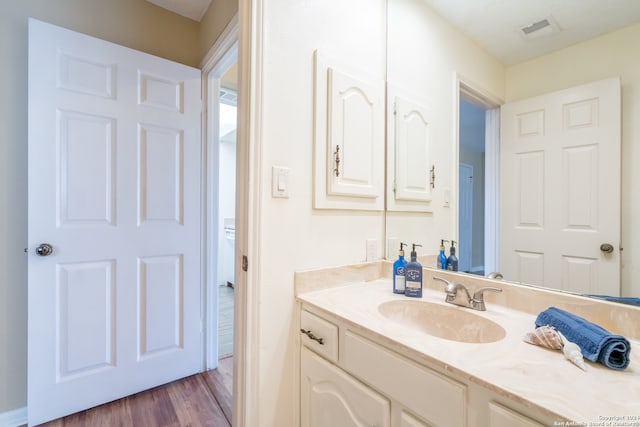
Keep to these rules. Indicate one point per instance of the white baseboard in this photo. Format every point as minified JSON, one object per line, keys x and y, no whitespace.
{"x":15,"y":418}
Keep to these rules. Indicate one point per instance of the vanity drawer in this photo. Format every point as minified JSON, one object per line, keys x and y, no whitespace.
{"x":501,"y":416}
{"x":319,"y":335}
{"x":439,"y":400}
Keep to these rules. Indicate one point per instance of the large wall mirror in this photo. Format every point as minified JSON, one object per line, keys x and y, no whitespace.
{"x":452,"y":175}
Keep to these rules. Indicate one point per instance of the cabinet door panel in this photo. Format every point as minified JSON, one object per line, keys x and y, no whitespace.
{"x":330,"y":397}
{"x":348,"y":137}
{"x":412,"y":149}
{"x":355,"y":136}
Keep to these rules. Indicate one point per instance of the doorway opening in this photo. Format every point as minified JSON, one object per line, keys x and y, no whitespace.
{"x":222,"y":119}
{"x":471,"y":203}
{"x":478,"y":182}
{"x":226,"y":211}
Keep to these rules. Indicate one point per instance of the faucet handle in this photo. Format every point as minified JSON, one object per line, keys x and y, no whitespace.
{"x":441,"y":280}
{"x":478,"y":297}
{"x":450,"y":289}
{"x":479,"y":292}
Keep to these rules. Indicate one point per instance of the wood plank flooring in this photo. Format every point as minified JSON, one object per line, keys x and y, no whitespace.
{"x":225,"y":320}
{"x":199,"y":400}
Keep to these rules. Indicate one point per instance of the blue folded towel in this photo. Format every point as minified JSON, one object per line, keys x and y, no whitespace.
{"x":596,"y":343}
{"x":623,"y":300}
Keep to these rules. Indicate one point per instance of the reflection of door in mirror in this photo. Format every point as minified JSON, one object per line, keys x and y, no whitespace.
{"x":466,"y":225}
{"x":471,"y":187}
{"x":560,"y":157}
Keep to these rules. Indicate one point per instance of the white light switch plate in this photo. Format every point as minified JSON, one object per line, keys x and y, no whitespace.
{"x":280,"y":182}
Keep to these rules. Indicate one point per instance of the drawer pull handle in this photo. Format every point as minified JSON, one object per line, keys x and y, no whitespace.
{"x":312,"y":336}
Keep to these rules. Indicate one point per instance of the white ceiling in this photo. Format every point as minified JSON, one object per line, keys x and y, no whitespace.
{"x":495,"y":24}
{"x":193,"y":9}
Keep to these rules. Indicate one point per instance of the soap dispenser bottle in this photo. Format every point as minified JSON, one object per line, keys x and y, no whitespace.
{"x":442,"y":258}
{"x":398,"y":271}
{"x":413,"y":276}
{"x":452,"y":261}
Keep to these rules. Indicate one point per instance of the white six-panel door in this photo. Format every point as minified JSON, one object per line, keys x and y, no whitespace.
{"x":560,"y":167}
{"x":114,"y":189}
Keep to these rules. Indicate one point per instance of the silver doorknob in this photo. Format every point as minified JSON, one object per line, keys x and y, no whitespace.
{"x":606,"y":248}
{"x":44,"y":249}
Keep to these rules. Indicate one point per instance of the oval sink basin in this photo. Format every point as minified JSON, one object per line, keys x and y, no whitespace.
{"x":441,"y":321}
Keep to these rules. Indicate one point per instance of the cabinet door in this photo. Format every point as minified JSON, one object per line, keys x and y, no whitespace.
{"x":412,"y":152}
{"x":330,"y":397}
{"x":349,"y":138}
{"x":410,"y":177}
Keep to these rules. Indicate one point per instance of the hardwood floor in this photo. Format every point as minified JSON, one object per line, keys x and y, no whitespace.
{"x":225,"y":320}
{"x":200,"y":400}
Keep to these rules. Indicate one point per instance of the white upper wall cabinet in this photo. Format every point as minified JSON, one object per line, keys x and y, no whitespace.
{"x":349,"y":138}
{"x":409,"y":177}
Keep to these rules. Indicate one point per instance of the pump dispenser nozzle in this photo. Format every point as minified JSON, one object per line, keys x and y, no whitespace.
{"x":399,"y":267}
{"x":401,"y":251}
{"x":414,"y":255}
{"x":452,"y":261}
{"x":414,"y":275}
{"x":442,"y":258}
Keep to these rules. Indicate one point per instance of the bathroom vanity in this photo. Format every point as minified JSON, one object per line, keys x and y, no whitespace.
{"x":371,"y":357}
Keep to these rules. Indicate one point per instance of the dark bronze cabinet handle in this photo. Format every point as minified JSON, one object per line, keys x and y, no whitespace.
{"x":312,"y":336}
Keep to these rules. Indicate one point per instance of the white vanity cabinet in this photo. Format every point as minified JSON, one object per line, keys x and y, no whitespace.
{"x":350,"y":378}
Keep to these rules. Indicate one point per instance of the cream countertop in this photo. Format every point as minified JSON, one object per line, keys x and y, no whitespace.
{"x":536,"y":377}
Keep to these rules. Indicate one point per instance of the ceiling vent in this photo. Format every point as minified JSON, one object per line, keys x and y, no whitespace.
{"x":228,"y":96}
{"x":544,"y":27}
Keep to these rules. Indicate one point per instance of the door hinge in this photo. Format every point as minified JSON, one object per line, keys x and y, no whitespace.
{"x":432,"y":175}
{"x":245,"y":263}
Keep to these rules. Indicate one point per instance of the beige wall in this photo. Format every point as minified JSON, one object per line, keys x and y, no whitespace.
{"x":132,"y":23}
{"x":614,"y":54}
{"x":213,"y":23}
{"x":294,"y":236}
{"x":425,"y":54}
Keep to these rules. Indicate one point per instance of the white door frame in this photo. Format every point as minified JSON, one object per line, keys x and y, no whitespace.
{"x":235,"y":43}
{"x":245,"y":32}
{"x":246,"y":404}
{"x":492,"y":190}
{"x":473,"y":93}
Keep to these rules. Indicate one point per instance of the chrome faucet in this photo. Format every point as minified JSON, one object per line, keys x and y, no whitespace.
{"x":465,"y":299}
